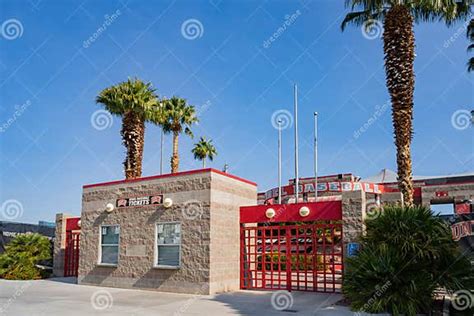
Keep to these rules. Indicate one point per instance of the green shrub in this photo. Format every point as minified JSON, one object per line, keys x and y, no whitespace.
{"x":405,"y":255}
{"x":297,"y":260}
{"x":21,"y":255}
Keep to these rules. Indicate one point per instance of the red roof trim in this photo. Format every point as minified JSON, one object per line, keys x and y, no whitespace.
{"x":169,"y":175}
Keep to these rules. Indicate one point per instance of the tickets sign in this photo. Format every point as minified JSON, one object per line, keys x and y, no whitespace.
{"x":140,"y":201}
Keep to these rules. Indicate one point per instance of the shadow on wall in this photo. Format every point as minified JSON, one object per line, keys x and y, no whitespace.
{"x":154,"y":278}
{"x":100,"y":219}
{"x":97,"y":275}
{"x":155,"y":217}
{"x":165,"y":280}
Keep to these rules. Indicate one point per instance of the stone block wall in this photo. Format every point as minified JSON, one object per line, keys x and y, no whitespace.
{"x":353,"y":214}
{"x":391,"y":198}
{"x":227,"y":196}
{"x":192,"y":206}
{"x":456,"y":193}
{"x":59,"y":244}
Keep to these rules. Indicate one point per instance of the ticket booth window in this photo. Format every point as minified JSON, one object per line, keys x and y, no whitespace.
{"x":168,"y":245}
{"x":109,"y":244}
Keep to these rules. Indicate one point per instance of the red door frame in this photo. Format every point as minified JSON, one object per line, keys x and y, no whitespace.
{"x":288,"y":233}
{"x":71,"y":250}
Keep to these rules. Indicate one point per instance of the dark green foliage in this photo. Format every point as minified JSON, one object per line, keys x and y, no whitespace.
{"x":301,"y":261}
{"x":470,"y":36}
{"x":21,"y":255}
{"x":448,"y":11}
{"x":406,"y":254}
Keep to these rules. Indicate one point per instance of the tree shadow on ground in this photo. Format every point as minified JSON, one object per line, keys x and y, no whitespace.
{"x":279,"y":302}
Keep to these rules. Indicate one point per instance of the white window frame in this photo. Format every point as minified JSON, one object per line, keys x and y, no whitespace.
{"x":99,"y":262}
{"x":155,"y":260}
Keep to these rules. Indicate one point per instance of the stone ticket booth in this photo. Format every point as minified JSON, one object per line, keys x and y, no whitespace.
{"x":174,"y":233}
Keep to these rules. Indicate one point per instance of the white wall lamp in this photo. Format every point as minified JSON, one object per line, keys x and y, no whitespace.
{"x":304,"y":211}
{"x":168,"y":202}
{"x":109,"y":208}
{"x":79,"y":223}
{"x":270,"y":213}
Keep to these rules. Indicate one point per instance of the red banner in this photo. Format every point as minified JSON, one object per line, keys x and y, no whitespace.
{"x":462,"y":229}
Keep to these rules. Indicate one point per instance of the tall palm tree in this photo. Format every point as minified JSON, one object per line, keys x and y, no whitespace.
{"x":470,"y":35}
{"x":177,"y":116}
{"x":204,"y":149}
{"x":133,"y":100}
{"x":398,"y":17}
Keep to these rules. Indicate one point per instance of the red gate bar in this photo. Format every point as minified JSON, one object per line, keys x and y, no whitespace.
{"x":71,"y":251}
{"x":325,"y":210}
{"x":304,"y":257}
{"x":290,"y":251}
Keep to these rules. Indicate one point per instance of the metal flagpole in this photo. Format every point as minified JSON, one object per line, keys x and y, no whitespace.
{"x":161,"y":152}
{"x":279,"y":161}
{"x":315,"y":156}
{"x":297,"y":180}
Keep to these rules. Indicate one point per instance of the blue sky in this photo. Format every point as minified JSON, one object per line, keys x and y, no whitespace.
{"x":51,"y":73}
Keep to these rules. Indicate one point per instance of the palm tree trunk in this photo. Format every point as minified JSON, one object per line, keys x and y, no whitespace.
{"x":133,"y":138}
{"x":175,"y":157}
{"x":399,"y":49}
{"x":204,"y":163}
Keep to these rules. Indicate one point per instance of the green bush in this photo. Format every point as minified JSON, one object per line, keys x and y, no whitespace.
{"x":297,"y":260}
{"x":405,"y":255}
{"x":21,"y":255}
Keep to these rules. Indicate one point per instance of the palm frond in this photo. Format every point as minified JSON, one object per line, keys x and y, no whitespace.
{"x":188,"y":132}
{"x":448,"y":11}
{"x":470,"y":30}
{"x":204,"y":149}
{"x":177,"y":116}
{"x":470,"y":64}
{"x":132,"y":95}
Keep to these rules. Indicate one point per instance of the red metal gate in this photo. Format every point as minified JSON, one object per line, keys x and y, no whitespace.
{"x":71,"y":251}
{"x":292,"y":252}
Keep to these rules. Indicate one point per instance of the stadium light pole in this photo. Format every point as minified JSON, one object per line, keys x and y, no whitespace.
{"x":279,"y":161}
{"x":315,"y":156}
{"x":297,"y":180}
{"x":161,"y":104}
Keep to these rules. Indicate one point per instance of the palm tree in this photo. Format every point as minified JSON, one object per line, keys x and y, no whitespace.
{"x":176,"y":116}
{"x":470,"y":35}
{"x":398,"y":17}
{"x":204,"y":149}
{"x":133,"y":100}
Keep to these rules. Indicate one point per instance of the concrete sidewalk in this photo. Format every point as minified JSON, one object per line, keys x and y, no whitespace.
{"x":62,"y":297}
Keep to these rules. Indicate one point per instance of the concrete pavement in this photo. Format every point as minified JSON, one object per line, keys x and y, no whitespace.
{"x":62,"y":297}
